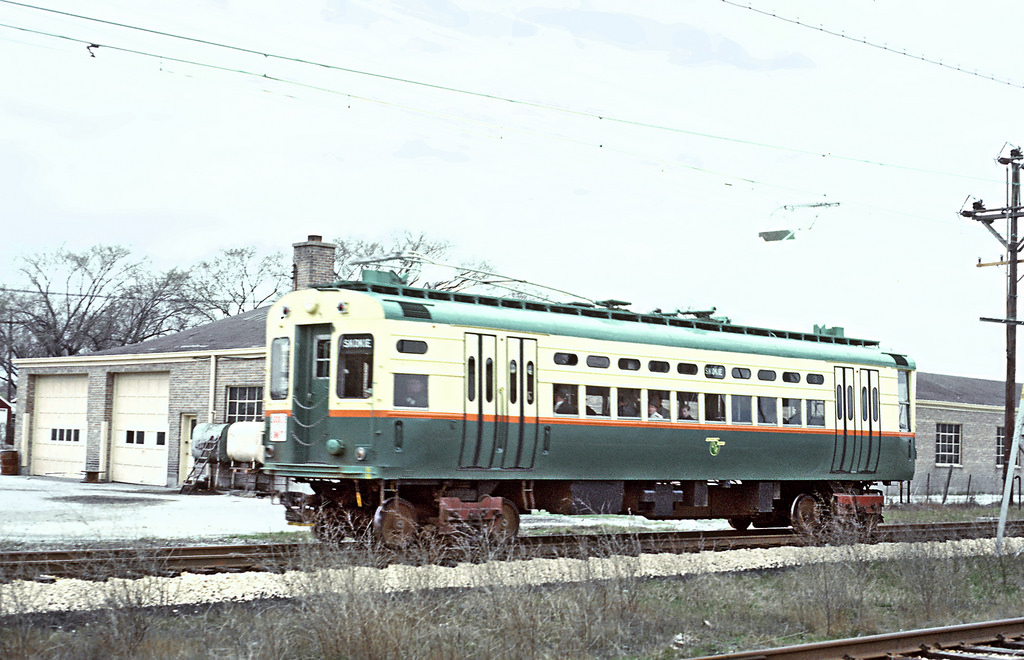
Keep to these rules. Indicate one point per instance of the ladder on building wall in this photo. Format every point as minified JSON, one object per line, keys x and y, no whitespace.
{"x":192,"y":481}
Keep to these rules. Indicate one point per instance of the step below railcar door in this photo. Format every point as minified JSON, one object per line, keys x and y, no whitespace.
{"x":518,"y":436}
{"x":479,"y":428}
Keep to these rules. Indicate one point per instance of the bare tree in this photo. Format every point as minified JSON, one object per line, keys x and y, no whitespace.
{"x":239,"y":280}
{"x":410,"y":251}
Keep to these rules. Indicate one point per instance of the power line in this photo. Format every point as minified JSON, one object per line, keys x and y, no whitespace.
{"x":865,"y":42}
{"x":92,"y":45}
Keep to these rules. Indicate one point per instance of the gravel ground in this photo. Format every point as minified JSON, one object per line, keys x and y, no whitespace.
{"x":76,"y":595}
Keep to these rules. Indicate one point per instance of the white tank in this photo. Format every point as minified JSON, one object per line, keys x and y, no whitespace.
{"x":245,"y":442}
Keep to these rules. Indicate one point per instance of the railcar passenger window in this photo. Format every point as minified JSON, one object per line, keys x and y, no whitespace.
{"x":629,"y":364}
{"x":714,"y":407}
{"x":687,"y":406}
{"x":741,"y":409}
{"x":815,"y":412}
{"x":658,"y":366}
{"x":815,"y":379}
{"x":280,"y":365}
{"x":767,"y":410}
{"x":598,"y":361}
{"x":629,"y":402}
{"x":658,"y":402}
{"x":355,"y":366}
{"x":410,"y":390}
{"x":791,"y":415}
{"x":687,"y":368}
{"x":564,"y":400}
{"x":413,"y":346}
{"x":741,"y":372}
{"x":597,"y":401}
{"x":566,"y":359}
{"x":790,"y":377}
{"x":765,"y":374}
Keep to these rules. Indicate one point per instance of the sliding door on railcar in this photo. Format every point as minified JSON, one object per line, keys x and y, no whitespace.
{"x":500,"y":403}
{"x":858,"y":421}
{"x":311,"y":385}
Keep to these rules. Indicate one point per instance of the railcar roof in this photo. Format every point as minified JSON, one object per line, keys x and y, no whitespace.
{"x":459,"y":308}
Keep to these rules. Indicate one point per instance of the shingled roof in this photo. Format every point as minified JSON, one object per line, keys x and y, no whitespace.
{"x":958,"y":389}
{"x":246,"y":330}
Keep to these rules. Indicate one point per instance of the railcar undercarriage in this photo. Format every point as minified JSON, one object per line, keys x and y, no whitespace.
{"x":397,"y":512}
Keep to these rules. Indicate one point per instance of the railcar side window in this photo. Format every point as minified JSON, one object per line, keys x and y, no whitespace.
{"x":767,"y":410}
{"x":741,"y":372}
{"x":411,"y":390}
{"x":489,"y":380}
{"x":815,"y":379}
{"x":566,"y":359}
{"x":597,"y":401}
{"x":790,"y":377}
{"x":598,"y":361}
{"x":714,"y":407}
{"x":687,"y":368}
{"x":741,"y":409}
{"x":413,"y":346}
{"x":657,"y":405}
{"x":513,"y":382}
{"x":529,"y":383}
{"x":766,"y":374}
{"x":471,"y":378}
{"x":658,"y":366}
{"x":815,"y":412}
{"x":280,"y":365}
{"x":687,"y":403}
{"x":629,"y":402}
{"x":791,"y":415}
{"x":629,"y":364}
{"x":355,"y":366}
{"x":564,"y":400}
{"x":904,"y":398}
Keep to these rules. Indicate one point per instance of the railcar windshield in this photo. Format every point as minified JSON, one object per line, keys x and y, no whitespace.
{"x":355,"y":366}
{"x":280,"y":363}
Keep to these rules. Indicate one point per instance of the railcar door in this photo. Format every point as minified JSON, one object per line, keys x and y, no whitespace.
{"x":311,"y":386}
{"x":479,"y":428}
{"x":870,"y":422}
{"x":846,"y":438}
{"x":518,"y":417}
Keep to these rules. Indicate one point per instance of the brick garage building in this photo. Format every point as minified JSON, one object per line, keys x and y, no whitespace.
{"x":126,"y":414}
{"x":960,"y":437}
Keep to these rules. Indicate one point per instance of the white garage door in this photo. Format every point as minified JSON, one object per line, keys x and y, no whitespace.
{"x":138,"y":439}
{"x":59,"y":423}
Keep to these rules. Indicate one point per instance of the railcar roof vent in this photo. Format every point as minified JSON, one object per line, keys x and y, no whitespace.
{"x":414,"y":310}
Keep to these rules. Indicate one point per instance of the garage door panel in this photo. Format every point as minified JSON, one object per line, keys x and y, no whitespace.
{"x":139,"y":429}
{"x":59,"y":425}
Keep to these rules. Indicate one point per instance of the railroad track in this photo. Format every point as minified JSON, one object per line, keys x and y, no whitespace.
{"x":989,"y":640}
{"x":99,"y":564}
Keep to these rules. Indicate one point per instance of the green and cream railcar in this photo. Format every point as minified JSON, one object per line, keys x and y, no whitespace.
{"x":407,"y":406}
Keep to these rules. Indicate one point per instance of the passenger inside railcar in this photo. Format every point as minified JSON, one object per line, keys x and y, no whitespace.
{"x":629,"y":402}
{"x":563,"y":403}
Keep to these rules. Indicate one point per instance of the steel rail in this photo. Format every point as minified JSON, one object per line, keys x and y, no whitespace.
{"x":988,"y":639}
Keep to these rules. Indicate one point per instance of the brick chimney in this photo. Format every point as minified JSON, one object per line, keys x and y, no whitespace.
{"x":313,"y":263}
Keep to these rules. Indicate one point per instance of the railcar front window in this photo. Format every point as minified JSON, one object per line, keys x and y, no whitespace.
{"x":355,"y":366}
{"x":280,"y":364}
{"x":322,"y":357}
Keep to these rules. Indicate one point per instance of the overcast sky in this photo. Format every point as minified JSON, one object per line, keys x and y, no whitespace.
{"x":618,"y":150}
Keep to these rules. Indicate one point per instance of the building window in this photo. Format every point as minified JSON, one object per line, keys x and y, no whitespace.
{"x":135,"y":437}
{"x":1001,"y":447}
{"x":245,"y":404}
{"x":947,"y":444}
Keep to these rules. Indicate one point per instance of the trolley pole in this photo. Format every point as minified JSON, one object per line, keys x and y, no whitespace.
{"x":986,"y":217}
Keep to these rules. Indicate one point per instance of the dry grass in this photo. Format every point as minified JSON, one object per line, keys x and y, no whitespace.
{"x":342,"y":614}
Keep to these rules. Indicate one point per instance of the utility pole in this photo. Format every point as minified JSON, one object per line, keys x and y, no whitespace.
{"x":1013,"y":246}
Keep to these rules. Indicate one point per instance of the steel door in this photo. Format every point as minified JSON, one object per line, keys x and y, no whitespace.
{"x":311,"y":387}
{"x":518,"y":401}
{"x":479,"y":430}
{"x":846,"y":438}
{"x":870,"y":422}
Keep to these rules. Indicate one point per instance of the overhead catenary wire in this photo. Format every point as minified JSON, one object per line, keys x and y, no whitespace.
{"x":94,"y":44}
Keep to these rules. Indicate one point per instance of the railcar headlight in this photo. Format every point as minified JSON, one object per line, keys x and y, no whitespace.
{"x":312,"y":306}
{"x":268,"y":451}
{"x":335,"y":447}
{"x":361,"y":453}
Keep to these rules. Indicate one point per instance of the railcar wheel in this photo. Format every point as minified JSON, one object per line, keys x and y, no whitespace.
{"x":394,"y":523}
{"x":740,"y":523}
{"x":805,"y":515}
{"x":505,"y":525}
